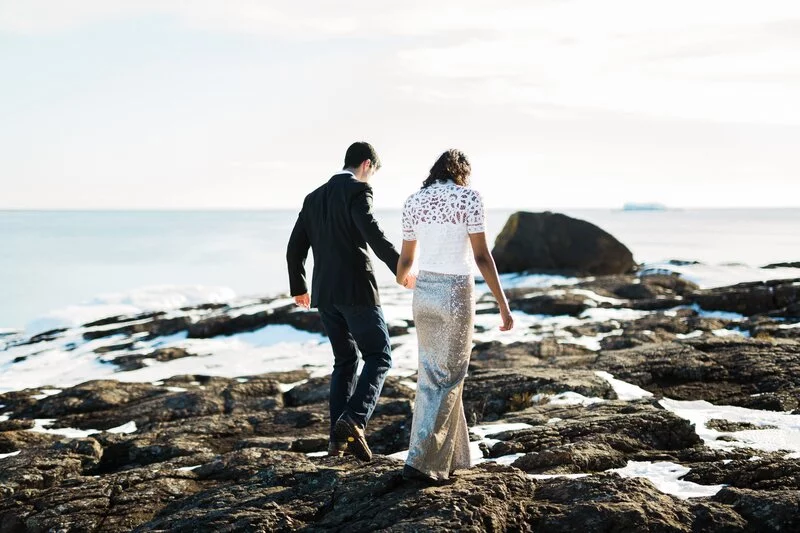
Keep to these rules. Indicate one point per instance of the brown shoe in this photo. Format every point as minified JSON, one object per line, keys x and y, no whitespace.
{"x":347,"y":431}
{"x":337,"y":449}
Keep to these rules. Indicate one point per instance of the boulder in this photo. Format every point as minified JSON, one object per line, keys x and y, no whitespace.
{"x":555,"y":243}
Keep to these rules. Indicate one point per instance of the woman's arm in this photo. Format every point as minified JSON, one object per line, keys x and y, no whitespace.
{"x":485,"y":262}
{"x":404,"y":264}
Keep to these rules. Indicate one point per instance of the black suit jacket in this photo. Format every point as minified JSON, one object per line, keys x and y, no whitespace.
{"x":337,"y":223}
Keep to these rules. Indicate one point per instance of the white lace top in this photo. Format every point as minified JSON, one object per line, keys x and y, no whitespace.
{"x":440,"y":217}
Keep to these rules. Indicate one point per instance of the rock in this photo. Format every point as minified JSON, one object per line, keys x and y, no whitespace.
{"x":490,"y":393}
{"x":768,"y":329}
{"x":749,"y":373}
{"x":519,"y":354}
{"x":728,"y":426}
{"x":136,"y":361}
{"x":545,"y":304}
{"x":152,"y":327}
{"x":627,"y":428}
{"x":778,"y":297}
{"x":12,"y":441}
{"x":766,"y":512}
{"x":46,"y":336}
{"x":125,"y":453}
{"x":314,"y":443}
{"x":552,"y":242}
{"x":313,"y":391}
{"x":16,"y":424}
{"x":572,"y":458}
{"x":760,"y":474}
{"x":609,"y":502}
{"x":114,"y":503}
{"x":660,"y":328}
{"x":226,"y":323}
{"x":121,"y":319}
{"x":105,"y":404}
{"x":656,"y":286}
{"x":42,"y":467}
{"x":789,"y":264}
{"x":334,"y":494}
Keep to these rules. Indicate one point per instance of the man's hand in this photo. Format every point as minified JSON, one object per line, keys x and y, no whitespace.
{"x":303,"y":300}
{"x":410,"y":282}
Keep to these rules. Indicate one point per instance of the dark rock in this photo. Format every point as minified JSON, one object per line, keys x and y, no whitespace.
{"x":626,"y":428}
{"x":727,"y":425}
{"x":283,"y":444}
{"x":126,"y":345}
{"x":121,"y":319}
{"x":654,"y":292}
{"x":545,"y":304}
{"x":16,"y":424}
{"x":155,"y":327}
{"x":609,"y":502}
{"x":790,"y":264}
{"x":571,"y":458}
{"x":227,"y":324}
{"x":136,"y":361}
{"x":490,"y":393}
{"x":42,"y":467}
{"x":335,"y":494}
{"x":313,"y":391}
{"x":46,"y":336}
{"x":519,"y":354}
{"x":12,"y":441}
{"x":552,"y":242}
{"x":114,"y":503}
{"x":744,"y":372}
{"x":752,"y":473}
{"x":779,"y":297}
{"x":766,"y":512}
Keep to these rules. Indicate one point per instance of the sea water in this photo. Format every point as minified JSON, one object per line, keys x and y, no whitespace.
{"x":55,"y":259}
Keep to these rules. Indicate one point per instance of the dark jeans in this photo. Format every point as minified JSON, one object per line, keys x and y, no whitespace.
{"x":354,"y":328}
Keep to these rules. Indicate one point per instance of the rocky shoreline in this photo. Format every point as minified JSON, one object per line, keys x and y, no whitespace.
{"x":209,"y":453}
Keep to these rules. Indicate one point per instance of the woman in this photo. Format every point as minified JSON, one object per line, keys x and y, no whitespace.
{"x":446,"y":217}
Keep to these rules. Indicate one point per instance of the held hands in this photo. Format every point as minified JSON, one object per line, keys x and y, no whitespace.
{"x":303,"y":300}
{"x":410,"y":281}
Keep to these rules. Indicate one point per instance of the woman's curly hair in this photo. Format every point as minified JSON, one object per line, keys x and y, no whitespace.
{"x":452,"y":165}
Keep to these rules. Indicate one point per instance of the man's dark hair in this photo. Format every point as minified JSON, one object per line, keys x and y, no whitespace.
{"x":360,"y":152}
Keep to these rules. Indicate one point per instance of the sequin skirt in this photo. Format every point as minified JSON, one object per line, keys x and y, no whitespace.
{"x":444,"y":309}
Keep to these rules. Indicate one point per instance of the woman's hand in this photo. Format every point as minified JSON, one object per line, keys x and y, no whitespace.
{"x":410,"y":281}
{"x":508,"y":320}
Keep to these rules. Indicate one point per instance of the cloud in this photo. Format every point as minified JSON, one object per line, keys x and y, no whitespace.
{"x":718,"y":60}
{"x":690,"y":62}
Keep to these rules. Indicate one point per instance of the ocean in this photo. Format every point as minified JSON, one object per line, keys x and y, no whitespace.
{"x":51,"y":260}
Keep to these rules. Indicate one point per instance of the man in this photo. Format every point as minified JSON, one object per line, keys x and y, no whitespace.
{"x":337,"y":223}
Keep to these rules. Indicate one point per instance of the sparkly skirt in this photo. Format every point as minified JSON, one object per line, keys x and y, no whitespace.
{"x":444,"y":310}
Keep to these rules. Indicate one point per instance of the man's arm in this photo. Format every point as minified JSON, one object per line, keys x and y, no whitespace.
{"x":361,"y":211}
{"x":296,"y":253}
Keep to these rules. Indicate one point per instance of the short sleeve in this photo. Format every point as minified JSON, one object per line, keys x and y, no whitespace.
{"x":408,"y":222}
{"x":476,"y":218}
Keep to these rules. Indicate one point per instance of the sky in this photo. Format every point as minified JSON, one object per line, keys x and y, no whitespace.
{"x":178,"y":104}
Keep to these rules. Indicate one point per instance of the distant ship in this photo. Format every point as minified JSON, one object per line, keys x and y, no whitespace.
{"x":631,"y":206}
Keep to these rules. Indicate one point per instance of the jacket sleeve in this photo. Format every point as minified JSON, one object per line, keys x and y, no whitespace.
{"x":364,"y":219}
{"x":296,"y":253}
